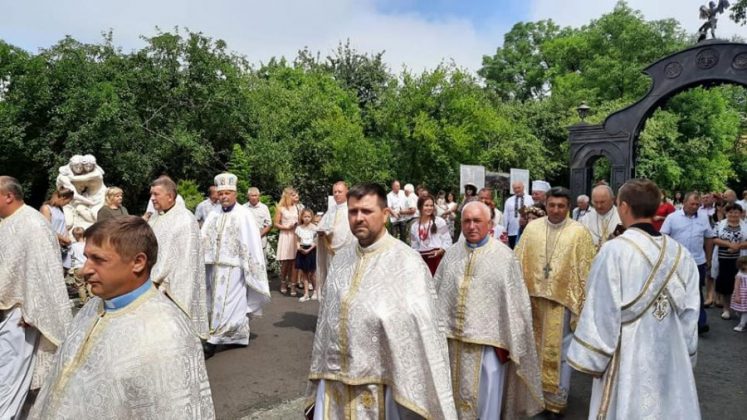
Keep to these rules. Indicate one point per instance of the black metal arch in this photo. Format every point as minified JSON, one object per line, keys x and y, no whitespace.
{"x":706,"y":64}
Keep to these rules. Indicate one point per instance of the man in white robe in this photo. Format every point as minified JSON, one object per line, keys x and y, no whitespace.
{"x":34,"y":306}
{"x":603,"y":218}
{"x":485,"y":304}
{"x":235,"y":268}
{"x":131,"y":352}
{"x":379,"y":351}
{"x":334,"y":233}
{"x":638,"y":331}
{"x":180,"y":270}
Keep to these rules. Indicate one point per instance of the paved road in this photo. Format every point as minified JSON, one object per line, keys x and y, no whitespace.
{"x":267,"y":379}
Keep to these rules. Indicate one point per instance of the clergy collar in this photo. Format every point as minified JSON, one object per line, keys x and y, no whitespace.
{"x":164,"y":211}
{"x":229,"y":208}
{"x":480,"y":244}
{"x":380,"y":244}
{"x":646,"y":227}
{"x":121,"y":301}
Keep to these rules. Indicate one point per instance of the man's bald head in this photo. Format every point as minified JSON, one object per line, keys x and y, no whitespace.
{"x":603,"y":199}
{"x":476,"y":206}
{"x":518,"y":187}
{"x":476,"y":221}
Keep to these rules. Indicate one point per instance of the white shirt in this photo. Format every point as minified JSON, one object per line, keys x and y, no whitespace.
{"x":511,"y":212}
{"x":690,"y":232}
{"x":261,"y":214}
{"x":306,"y":236}
{"x":204,"y":208}
{"x":411,"y":202}
{"x":395,"y":202}
{"x":77,"y":258}
{"x":441,"y":239}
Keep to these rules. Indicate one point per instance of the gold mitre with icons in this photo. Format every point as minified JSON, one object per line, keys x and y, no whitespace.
{"x":226,"y":182}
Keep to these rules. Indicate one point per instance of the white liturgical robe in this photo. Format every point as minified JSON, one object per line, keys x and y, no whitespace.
{"x":336,"y":227}
{"x":138,"y":361}
{"x":601,"y":226}
{"x":180,"y":268}
{"x":379,"y":347}
{"x":638,"y":331}
{"x":32,"y":289}
{"x":484,"y":303}
{"x":236,"y":274}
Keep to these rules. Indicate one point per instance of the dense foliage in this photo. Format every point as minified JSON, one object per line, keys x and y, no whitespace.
{"x":186,"y":106}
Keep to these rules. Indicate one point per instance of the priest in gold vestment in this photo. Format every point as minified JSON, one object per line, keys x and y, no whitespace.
{"x":555,"y":253}
{"x":379,"y":351}
{"x":34,"y":307}
{"x":180,"y":270}
{"x":131,"y":352}
{"x":484,"y":303}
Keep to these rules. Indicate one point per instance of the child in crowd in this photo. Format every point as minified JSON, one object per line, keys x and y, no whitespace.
{"x":739,"y":297}
{"x":306,"y":255}
{"x":77,"y":260}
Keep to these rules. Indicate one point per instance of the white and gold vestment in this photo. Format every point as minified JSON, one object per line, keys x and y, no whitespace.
{"x":378,"y":343}
{"x":555,"y":260}
{"x":31,"y":281}
{"x":180,"y":267}
{"x":142,"y":361}
{"x":601,"y":226}
{"x":236,"y":274}
{"x":484,"y":303}
{"x":638,"y":331}
{"x":337,"y":228}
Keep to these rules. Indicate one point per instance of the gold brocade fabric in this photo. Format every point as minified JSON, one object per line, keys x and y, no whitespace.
{"x":378,"y":325}
{"x":568,"y":257}
{"x":483,"y":301}
{"x":548,"y":318}
{"x":140,"y":362}
{"x":180,"y":267}
{"x":31,"y":278}
{"x":569,"y":262}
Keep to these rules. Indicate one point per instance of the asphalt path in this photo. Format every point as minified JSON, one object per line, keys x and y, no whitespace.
{"x":267,"y":379}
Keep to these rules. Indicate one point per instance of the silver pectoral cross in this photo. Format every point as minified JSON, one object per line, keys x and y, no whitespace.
{"x":547,"y":271}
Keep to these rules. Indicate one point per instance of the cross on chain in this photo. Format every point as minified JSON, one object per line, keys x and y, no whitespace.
{"x":547,"y":271}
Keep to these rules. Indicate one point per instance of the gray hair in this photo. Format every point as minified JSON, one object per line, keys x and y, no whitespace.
{"x":8,"y":184}
{"x":166,"y":183}
{"x":583,"y":198}
{"x":485,"y":209}
{"x":253,"y":190}
{"x":606,"y":188}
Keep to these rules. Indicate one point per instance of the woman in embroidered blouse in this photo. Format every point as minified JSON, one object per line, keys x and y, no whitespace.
{"x":429,"y":235}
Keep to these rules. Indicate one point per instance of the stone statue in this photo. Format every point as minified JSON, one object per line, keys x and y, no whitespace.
{"x":710,"y":14}
{"x":86,"y":179}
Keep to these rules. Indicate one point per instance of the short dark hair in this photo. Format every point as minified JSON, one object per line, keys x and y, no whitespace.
{"x":10,"y":185}
{"x":128,"y":235}
{"x":642,"y":195}
{"x":361,"y":190}
{"x":471,"y":188}
{"x":166,"y":183}
{"x":733,"y":206}
{"x":559,"y":192}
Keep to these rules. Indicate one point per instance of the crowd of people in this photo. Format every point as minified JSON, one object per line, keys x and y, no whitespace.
{"x":479,"y":313}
